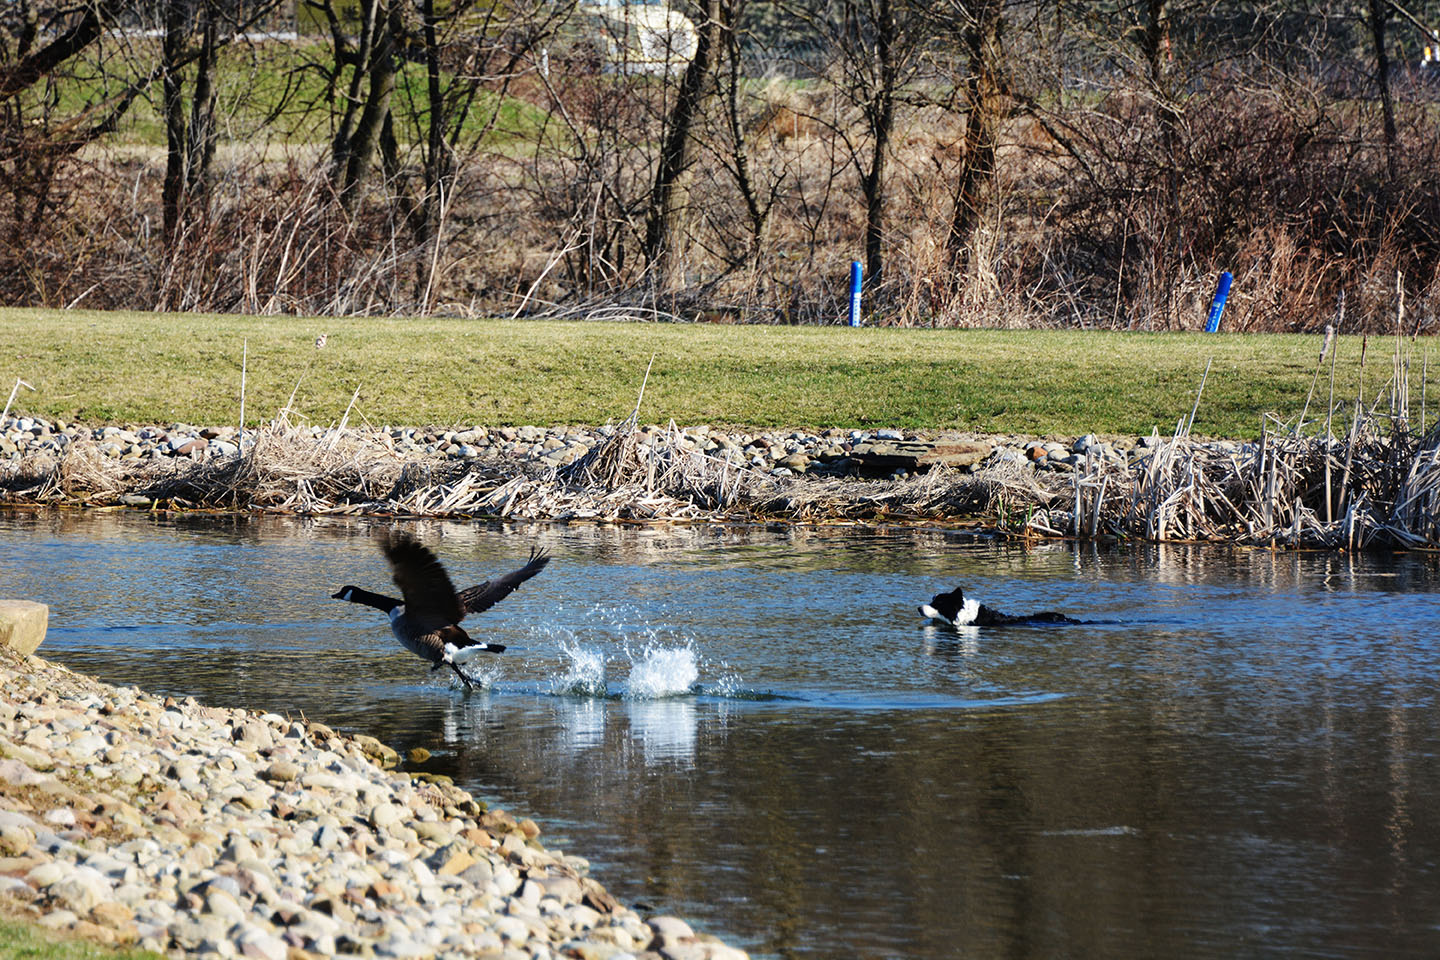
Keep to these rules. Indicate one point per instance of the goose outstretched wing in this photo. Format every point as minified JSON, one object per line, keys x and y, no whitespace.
{"x":430,"y":599}
{"x":485,"y":595}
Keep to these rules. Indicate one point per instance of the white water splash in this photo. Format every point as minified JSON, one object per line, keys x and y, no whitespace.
{"x":483,"y":677}
{"x":662,"y":672}
{"x":727,"y":682}
{"x":585,"y":673}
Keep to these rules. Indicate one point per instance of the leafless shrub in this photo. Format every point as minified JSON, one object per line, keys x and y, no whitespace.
{"x":1127,"y":171}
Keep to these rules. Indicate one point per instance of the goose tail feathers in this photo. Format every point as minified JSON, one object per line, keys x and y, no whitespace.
{"x":463,"y":655}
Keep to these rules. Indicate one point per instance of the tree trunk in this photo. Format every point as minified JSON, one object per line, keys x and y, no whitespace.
{"x":360,"y":151}
{"x":981,"y":90}
{"x":1164,"y":254}
{"x":177,"y":147}
{"x":358,"y":59}
{"x":189,"y":141}
{"x":202,"y":116}
{"x":758,"y":211}
{"x":1379,"y":14}
{"x":880,"y":114}
{"x":669,"y":200}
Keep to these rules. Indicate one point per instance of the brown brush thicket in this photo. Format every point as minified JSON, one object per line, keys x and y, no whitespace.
{"x":992,"y":162}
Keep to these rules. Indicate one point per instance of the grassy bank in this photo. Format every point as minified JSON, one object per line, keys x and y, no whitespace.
{"x":22,"y":940}
{"x":141,"y":367}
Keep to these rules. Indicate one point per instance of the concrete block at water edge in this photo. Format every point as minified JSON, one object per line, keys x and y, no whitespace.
{"x":22,"y":624}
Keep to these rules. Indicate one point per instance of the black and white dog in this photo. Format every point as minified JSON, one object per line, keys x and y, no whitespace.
{"x":958,"y":611}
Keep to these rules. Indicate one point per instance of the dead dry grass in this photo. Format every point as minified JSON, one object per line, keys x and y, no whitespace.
{"x":1376,"y":485}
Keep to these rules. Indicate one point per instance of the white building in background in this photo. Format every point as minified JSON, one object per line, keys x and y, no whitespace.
{"x":638,"y":36}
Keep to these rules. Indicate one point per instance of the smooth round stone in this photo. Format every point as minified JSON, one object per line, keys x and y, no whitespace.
{"x":81,"y":890}
{"x":15,"y":887}
{"x":260,"y":945}
{"x":401,"y":946}
{"x":671,"y":927}
{"x":61,"y":817}
{"x":58,"y":920}
{"x":10,"y":819}
{"x":433,"y":832}
{"x":582,"y":917}
{"x":281,"y":771}
{"x":530,"y":893}
{"x":46,"y":874}
{"x":512,"y":929}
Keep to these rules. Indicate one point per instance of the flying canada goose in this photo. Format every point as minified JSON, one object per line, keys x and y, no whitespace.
{"x":953,"y":608}
{"x":427,"y":621}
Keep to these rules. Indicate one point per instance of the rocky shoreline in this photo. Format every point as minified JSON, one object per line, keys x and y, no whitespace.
{"x":133,"y":819}
{"x":1377,"y":486}
{"x":886,"y":452}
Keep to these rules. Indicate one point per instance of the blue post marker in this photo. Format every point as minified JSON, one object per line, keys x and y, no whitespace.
{"x":1217,"y":306}
{"x":855,"y":284}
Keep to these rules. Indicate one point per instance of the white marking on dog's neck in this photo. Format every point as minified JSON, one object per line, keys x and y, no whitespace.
{"x":969,"y":610}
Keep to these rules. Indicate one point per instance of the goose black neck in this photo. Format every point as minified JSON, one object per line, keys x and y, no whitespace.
{"x":378,"y":601}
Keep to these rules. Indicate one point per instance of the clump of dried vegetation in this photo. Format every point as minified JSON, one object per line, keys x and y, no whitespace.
{"x":1365,"y":474}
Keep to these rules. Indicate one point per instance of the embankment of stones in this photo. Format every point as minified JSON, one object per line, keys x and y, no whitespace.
{"x":883,"y":458}
{"x":878,"y":453}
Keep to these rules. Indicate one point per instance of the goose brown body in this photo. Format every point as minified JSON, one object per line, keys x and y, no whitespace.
{"x":427,"y":620}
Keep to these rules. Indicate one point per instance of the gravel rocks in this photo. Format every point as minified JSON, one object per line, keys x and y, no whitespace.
{"x":128,"y":818}
{"x":879,"y":453}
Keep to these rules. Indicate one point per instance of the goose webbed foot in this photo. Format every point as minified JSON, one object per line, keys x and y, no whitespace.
{"x":469,"y":684}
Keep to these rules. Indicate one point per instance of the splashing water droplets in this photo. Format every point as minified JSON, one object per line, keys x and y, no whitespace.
{"x":482,"y":677}
{"x":656,"y":661}
{"x":662,"y":672}
{"x":727,"y":684}
{"x":584,"y":674}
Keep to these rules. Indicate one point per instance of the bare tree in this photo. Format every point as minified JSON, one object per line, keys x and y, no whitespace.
{"x":472,"y":53}
{"x":190,"y":137}
{"x":1379,"y":16}
{"x":758,"y":192}
{"x":665,"y":225}
{"x":366,"y":68}
{"x":978,"y":24}
{"x":875,"y":45}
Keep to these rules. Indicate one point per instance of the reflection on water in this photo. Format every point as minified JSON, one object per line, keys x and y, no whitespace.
{"x":752,"y":728}
{"x":665,"y":729}
{"x":581,"y":726}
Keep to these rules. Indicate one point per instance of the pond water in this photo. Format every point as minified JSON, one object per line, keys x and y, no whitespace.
{"x":752,"y":729}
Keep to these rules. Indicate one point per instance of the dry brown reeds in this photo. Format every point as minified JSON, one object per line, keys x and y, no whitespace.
{"x":1300,"y":485}
{"x":1375,"y":486}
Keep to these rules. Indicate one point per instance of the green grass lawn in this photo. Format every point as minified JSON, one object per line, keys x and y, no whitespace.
{"x":24,"y":941}
{"x":141,"y":368}
{"x":274,"y":91}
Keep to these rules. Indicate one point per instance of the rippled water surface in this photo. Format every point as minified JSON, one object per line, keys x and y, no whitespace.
{"x":752,"y":729}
